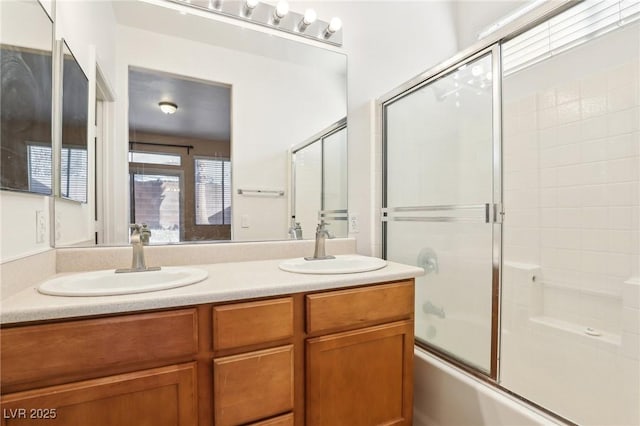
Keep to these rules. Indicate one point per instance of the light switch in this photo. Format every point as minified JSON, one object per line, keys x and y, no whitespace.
{"x":244,"y":220}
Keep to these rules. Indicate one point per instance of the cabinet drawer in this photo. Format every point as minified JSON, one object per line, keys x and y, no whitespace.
{"x":161,"y":396}
{"x":54,"y":353}
{"x":250,"y":323}
{"x":253,"y":386}
{"x":286,"y":420}
{"x":361,"y":306}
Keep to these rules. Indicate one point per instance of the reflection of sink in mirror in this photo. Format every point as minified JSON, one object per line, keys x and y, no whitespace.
{"x":344,"y":264}
{"x":108,"y":283}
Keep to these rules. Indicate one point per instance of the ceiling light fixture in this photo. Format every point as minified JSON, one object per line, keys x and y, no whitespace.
{"x":281,"y":10}
{"x":168,"y":107}
{"x":334,"y":25}
{"x":309,"y":18}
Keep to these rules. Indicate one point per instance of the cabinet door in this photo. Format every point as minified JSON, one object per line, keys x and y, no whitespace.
{"x":253,"y":386}
{"x":158,"y":397}
{"x":361,"y":377}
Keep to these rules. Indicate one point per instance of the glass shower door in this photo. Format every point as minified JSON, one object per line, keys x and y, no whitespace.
{"x":442,"y":206}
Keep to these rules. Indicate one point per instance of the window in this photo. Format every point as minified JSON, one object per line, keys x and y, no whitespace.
{"x":73,"y":174}
{"x":156,"y":202}
{"x":39,"y":168}
{"x":213,"y":191}
{"x":154,"y":158}
{"x":73,"y":171}
{"x":581,"y":23}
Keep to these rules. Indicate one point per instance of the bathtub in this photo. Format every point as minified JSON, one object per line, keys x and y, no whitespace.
{"x":446,"y":396}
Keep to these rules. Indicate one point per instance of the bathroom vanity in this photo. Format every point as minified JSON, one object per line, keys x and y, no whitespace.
{"x":333,"y":353}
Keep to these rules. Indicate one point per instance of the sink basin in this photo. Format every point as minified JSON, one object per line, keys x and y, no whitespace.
{"x":108,"y":283}
{"x":344,"y":264}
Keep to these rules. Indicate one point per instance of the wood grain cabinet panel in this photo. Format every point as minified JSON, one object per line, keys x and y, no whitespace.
{"x":253,"y":386}
{"x":286,"y":420}
{"x":158,"y":397}
{"x":250,"y":323}
{"x":89,"y":347}
{"x":361,"y":377}
{"x":359,"y":307}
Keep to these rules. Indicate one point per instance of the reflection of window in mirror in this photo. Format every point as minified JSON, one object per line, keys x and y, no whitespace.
{"x":179,"y":156}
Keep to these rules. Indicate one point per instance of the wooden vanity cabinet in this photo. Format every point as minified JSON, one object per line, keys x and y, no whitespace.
{"x":331,"y":358}
{"x":253,"y":371}
{"x":359,"y":368}
{"x":160,"y":396}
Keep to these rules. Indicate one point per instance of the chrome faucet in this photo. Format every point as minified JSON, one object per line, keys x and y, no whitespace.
{"x":139,"y":238}
{"x":430,"y":308}
{"x":321,"y":236}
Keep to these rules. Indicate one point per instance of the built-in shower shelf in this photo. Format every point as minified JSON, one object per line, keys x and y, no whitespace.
{"x":586,"y":333}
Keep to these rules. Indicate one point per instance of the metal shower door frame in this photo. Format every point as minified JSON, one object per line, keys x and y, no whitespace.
{"x":492,"y":213}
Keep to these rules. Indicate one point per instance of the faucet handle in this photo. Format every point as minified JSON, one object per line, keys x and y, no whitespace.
{"x":322,"y":225}
{"x":145,"y":234}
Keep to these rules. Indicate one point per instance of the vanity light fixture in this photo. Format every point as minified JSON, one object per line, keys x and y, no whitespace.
{"x":281,"y":10}
{"x":275,"y":15}
{"x":334,"y":26}
{"x":309,"y":18}
{"x":249,"y":5}
{"x":168,"y":107}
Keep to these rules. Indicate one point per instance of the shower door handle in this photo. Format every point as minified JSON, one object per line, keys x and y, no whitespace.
{"x":493,"y":213}
{"x":478,"y":213}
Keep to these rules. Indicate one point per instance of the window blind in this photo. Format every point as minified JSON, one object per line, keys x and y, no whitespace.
{"x":577,"y":25}
{"x":73,"y":174}
{"x":73,"y":171}
{"x":213,"y":191}
{"x":39,"y":158}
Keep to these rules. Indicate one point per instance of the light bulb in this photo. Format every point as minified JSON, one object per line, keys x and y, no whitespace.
{"x":334,"y":25}
{"x":282,"y":8}
{"x":310,"y":17}
{"x":249,"y":5}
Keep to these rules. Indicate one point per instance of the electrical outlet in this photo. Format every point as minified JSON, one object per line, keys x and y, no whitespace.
{"x":41,"y":227}
{"x":354,"y":226}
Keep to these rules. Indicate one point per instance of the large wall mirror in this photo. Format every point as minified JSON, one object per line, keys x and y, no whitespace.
{"x":204,"y":117}
{"x":26,"y":43}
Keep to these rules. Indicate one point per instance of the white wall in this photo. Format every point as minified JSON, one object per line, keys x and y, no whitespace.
{"x":474,"y":16}
{"x":265,"y":94}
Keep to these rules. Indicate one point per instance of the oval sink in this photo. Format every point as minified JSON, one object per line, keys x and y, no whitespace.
{"x":344,"y":264}
{"x":108,"y":283}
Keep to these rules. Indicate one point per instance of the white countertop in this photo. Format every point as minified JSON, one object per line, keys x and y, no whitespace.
{"x":226,"y":282}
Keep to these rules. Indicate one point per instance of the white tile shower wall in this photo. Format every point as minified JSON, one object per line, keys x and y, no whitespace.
{"x":572,"y":185}
{"x":571,"y":194}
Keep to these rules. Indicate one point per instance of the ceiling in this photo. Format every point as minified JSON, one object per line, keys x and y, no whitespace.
{"x":203,"y":108}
